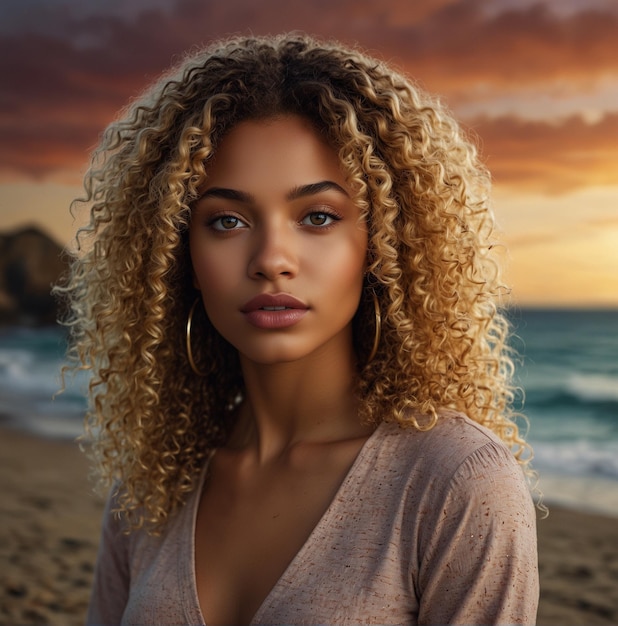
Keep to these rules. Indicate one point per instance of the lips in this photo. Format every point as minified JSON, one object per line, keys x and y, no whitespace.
{"x":273,"y":311}
{"x":270,"y":301}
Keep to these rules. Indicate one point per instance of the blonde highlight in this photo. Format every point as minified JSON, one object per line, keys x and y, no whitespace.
{"x":421,"y":187}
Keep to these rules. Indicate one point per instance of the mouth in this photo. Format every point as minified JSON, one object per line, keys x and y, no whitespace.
{"x":273,"y":302}
{"x":274,"y":311}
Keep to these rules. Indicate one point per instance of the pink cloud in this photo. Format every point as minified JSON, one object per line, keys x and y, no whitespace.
{"x":62,"y":85}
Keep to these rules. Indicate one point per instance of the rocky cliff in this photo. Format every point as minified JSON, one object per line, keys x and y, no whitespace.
{"x":30,"y":262}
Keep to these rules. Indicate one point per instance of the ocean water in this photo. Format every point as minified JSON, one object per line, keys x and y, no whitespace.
{"x":31,"y":361}
{"x":568,"y":369}
{"x":569,"y":373}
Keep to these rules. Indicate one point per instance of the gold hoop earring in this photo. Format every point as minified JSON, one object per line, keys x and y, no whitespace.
{"x":188,"y":340}
{"x":378,"y":326}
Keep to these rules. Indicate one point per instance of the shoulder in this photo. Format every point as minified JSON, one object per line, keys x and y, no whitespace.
{"x":455,"y":478}
{"x":450,"y":443}
{"x":456,"y":458}
{"x":467,"y":521}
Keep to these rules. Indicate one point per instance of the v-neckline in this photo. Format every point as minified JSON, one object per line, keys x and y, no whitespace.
{"x":338,"y":498}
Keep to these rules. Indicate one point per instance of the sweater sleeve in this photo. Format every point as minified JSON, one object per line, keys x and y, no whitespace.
{"x":110,"y":590}
{"x":479,"y":560}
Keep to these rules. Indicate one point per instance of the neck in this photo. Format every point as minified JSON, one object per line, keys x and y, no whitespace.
{"x":311,"y":400}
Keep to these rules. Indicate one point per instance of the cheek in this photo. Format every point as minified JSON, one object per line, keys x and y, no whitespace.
{"x":209,"y":273}
{"x":344,"y":272}
{"x":351,"y":264}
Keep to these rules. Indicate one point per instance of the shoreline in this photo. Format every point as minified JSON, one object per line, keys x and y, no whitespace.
{"x":587,"y":495}
{"x":50,"y":521}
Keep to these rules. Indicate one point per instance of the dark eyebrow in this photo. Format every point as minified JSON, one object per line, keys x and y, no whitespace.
{"x":298,"y":192}
{"x":315,"y":188}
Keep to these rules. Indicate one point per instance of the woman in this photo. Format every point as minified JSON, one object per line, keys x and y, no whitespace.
{"x":301,"y":387}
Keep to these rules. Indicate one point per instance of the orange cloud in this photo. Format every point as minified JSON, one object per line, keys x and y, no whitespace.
{"x":61,"y":86}
{"x":460,"y":48}
{"x":551,"y":157}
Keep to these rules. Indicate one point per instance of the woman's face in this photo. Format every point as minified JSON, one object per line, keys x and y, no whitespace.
{"x":277,"y":243}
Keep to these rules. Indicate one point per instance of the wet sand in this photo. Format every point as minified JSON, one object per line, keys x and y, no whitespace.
{"x":49,"y":527}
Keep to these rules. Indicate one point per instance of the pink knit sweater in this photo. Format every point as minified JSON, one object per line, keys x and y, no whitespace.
{"x":432,"y":527}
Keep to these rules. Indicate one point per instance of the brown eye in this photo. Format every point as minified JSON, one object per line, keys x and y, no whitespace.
{"x":229,"y":222}
{"x":319,"y":218}
{"x":226,"y":222}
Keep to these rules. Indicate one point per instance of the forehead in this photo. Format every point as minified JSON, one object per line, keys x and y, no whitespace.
{"x":279,"y":151}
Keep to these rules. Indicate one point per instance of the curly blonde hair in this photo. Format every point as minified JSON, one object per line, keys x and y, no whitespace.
{"x":424,"y":195}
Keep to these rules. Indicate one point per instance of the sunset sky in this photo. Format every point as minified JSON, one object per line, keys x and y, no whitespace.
{"x":535,"y":80}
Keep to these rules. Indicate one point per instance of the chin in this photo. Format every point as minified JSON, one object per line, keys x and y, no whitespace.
{"x":277,"y":353}
{"x":274,"y":357}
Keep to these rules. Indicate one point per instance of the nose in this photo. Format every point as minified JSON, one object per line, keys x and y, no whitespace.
{"x":274,"y":254}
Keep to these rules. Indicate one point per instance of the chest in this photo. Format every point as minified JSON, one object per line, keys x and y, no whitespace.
{"x":355,"y":567}
{"x":248,"y":531}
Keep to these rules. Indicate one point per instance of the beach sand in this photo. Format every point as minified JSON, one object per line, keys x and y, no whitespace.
{"x":49,"y":527}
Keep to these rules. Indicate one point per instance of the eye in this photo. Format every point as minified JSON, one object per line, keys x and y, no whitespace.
{"x":319,"y":218}
{"x":226,"y":222}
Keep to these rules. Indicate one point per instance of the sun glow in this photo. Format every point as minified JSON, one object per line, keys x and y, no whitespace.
{"x":563,"y":250}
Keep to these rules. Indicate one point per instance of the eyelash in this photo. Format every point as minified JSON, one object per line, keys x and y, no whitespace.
{"x":212,"y":222}
{"x":331,"y":215}
{"x":328,"y":214}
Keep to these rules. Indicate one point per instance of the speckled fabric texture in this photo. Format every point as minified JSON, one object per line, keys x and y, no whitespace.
{"x":432,"y":527}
